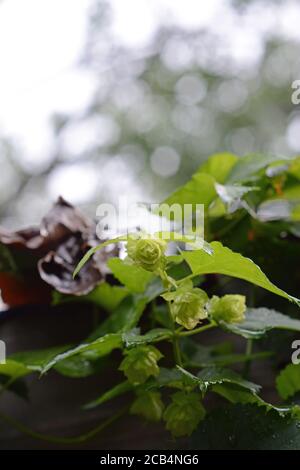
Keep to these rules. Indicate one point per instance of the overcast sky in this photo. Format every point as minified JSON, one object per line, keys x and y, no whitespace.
{"x":41,"y":42}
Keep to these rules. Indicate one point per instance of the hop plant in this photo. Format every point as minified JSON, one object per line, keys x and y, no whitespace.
{"x":187,"y":305}
{"x":229,"y":308}
{"x":148,"y":405}
{"x":184,"y":413}
{"x":148,"y":253}
{"x":140,"y":363}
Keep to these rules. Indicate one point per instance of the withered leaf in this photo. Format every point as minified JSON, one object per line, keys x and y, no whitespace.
{"x":61,"y":221}
{"x":55,"y":248}
{"x":57,"y":267}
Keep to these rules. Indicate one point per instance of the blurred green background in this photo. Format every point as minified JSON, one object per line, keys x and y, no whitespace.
{"x":106,"y":98}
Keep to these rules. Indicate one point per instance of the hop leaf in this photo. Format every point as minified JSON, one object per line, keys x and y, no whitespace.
{"x":187,"y":305}
{"x":229,"y":308}
{"x":147,"y":253}
{"x":140,"y":363}
{"x":148,"y":405}
{"x":184,"y":413}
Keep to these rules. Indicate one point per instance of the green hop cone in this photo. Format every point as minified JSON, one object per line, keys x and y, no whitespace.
{"x":148,"y":253}
{"x":187,"y":305}
{"x":229,"y":308}
{"x":184,"y":413}
{"x":148,"y":405}
{"x":140,"y":363}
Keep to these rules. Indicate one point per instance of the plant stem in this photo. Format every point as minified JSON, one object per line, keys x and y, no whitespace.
{"x":197,"y":330}
{"x":249,"y":346}
{"x":176,"y":348}
{"x":187,"y":278}
{"x":62,"y":440}
{"x":249,"y":343}
{"x":167,"y":280}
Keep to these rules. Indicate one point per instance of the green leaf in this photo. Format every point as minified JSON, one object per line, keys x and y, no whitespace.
{"x":133,"y":337}
{"x":78,"y":367}
{"x":288,"y":381}
{"x":236,"y":394}
{"x":107,"y":296}
{"x":292,"y":193}
{"x":225,"y":261}
{"x":24,"y":363}
{"x":212,"y":376}
{"x":104,"y":295}
{"x":251,"y":164}
{"x":232,"y":195}
{"x":35,"y":361}
{"x":199,"y":190}
{"x":275,"y":209}
{"x":93,"y":350}
{"x":14,"y":369}
{"x":172,"y":378}
{"x":246,"y":427}
{"x":260,"y":320}
{"x":133,"y":277}
{"x":194,"y":241}
{"x":224,"y":382}
{"x":160,"y":314}
{"x":114,"y":392}
{"x":219,"y":166}
{"x":129,"y":312}
{"x":125,"y":317}
{"x":294,"y":168}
